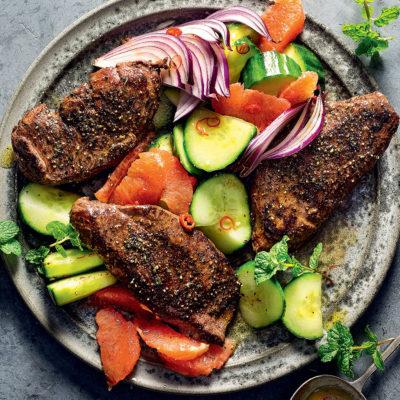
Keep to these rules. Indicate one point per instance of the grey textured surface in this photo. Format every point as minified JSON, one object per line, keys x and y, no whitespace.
{"x":43,"y":369}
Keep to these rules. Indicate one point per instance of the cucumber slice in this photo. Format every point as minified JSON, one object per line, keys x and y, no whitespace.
{"x":181,"y":153}
{"x":242,"y":50}
{"x":269,"y":72}
{"x":238,"y":31}
{"x":240,"y":35}
{"x":306,"y":60}
{"x":303,"y":316}
{"x":173,"y":95}
{"x":164,"y":114}
{"x":221,"y":196}
{"x":80,"y":286}
{"x":260,"y":305}
{"x":164,"y":142}
{"x":213,"y":148}
{"x":38,"y":205}
{"x":76,"y":262}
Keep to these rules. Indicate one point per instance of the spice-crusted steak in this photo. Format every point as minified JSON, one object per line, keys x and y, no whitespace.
{"x":295,"y":195}
{"x":179,"y":275}
{"x":94,"y":127}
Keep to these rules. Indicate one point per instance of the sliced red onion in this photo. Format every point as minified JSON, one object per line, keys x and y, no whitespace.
{"x":269,"y":133}
{"x":203,"y":68}
{"x":306,"y":135}
{"x":207,"y":67}
{"x":293,"y":133}
{"x":149,"y":54}
{"x":202,"y":31}
{"x":160,"y":45}
{"x":304,"y":131}
{"x":187,"y":104}
{"x":244,"y":16}
{"x":200,"y":75}
{"x":171,"y":78}
{"x":222,"y":78}
{"x":220,"y":30}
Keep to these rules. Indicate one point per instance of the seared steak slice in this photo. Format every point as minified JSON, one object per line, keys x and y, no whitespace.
{"x":295,"y":195}
{"x":94,"y":128}
{"x":179,"y":275}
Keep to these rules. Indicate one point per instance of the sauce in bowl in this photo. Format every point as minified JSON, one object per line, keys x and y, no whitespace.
{"x":329,"y":393}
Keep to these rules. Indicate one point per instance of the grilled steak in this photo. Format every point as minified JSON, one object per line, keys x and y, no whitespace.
{"x":295,"y":195}
{"x":94,"y":127}
{"x":179,"y":275}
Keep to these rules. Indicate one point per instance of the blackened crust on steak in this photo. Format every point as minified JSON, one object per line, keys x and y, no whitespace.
{"x":94,"y":127}
{"x":295,"y":195}
{"x":179,"y":275}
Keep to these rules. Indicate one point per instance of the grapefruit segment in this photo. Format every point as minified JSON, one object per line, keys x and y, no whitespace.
{"x":119,"y":345}
{"x":169,"y":342}
{"x":250,"y":105}
{"x":284,"y":21}
{"x":119,"y":173}
{"x":301,"y":89}
{"x":156,"y":177}
{"x":121,"y":298}
{"x":214,"y":358}
{"x":178,"y":189}
{"x":143,"y":183}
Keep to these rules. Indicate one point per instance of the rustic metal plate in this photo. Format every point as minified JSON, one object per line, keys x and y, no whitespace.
{"x":360,"y":237}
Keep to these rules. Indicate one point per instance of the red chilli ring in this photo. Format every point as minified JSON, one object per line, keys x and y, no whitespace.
{"x":187,"y":222}
{"x":227,"y":228}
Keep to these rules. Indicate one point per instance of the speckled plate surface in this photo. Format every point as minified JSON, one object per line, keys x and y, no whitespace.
{"x":360,"y":236}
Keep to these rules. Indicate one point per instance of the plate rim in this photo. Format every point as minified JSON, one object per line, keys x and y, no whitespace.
{"x":389,"y":251}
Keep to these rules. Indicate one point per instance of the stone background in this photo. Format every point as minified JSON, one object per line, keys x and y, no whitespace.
{"x":32,"y":364}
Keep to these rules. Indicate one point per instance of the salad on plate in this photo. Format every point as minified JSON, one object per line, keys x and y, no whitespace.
{"x":194,"y":144}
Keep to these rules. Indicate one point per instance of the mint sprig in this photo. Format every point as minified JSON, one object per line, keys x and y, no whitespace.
{"x":278,"y":259}
{"x":371,"y":41}
{"x":340,"y":347}
{"x":62,"y":233}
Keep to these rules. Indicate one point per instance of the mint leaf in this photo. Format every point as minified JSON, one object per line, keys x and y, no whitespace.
{"x":61,"y":250}
{"x":362,"y":1}
{"x":371,"y":336}
{"x":341,"y":335}
{"x":328,"y":352}
{"x":387,"y":15}
{"x":12,"y":246}
{"x":378,"y":359}
{"x":369,"y":347}
{"x":36,"y":256}
{"x":74,"y":237}
{"x":376,"y":60}
{"x":364,"y":12}
{"x":313,"y":263}
{"x":298,"y":268}
{"x":57,"y":229}
{"x":268,"y":263}
{"x":76,"y":242}
{"x":357,"y":32}
{"x":346,"y":363}
{"x":357,"y":354}
{"x":370,"y":46}
{"x":8,"y":230}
